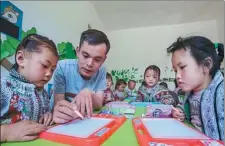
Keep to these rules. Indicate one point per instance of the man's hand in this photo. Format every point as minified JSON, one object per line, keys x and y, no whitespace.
{"x":64,"y":112}
{"x":83,"y":100}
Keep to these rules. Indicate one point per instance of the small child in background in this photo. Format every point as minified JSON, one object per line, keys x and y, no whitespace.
{"x":175,"y":96}
{"x":131,"y":90}
{"x":164,"y":84}
{"x":25,"y":109}
{"x":197,"y":65}
{"x":150,"y":91}
{"x":119,"y":93}
{"x":108,"y":93}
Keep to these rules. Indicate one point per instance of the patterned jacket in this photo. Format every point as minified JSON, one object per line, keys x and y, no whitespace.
{"x":211,"y":108}
{"x":156,"y":94}
{"x":21,"y":100}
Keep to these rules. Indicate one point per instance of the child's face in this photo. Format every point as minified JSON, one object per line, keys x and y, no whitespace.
{"x":38,"y":67}
{"x":109,"y":83}
{"x":131,"y":85}
{"x":151,"y":78}
{"x":189,"y":74}
{"x":121,"y":87}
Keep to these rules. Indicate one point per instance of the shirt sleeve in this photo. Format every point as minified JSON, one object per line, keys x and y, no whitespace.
{"x":101,"y":86}
{"x":59,"y":82}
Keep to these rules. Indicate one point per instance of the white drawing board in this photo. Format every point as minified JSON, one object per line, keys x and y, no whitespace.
{"x":170,"y":128}
{"x":80,"y":128}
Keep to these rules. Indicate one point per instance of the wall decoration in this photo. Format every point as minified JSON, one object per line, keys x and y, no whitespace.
{"x":66,"y":51}
{"x":126,"y":74}
{"x":11,"y":19}
{"x":8,"y":46}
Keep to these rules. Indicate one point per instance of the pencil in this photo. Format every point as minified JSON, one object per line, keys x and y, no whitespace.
{"x":79,"y":114}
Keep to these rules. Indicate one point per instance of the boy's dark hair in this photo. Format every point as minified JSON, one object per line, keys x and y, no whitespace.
{"x":94,"y":37}
{"x":33,"y":43}
{"x":131,"y":81}
{"x":154,"y":68}
{"x":109,"y":76}
{"x":164,"y":84}
{"x":200,"y":48}
{"x":120,"y":82}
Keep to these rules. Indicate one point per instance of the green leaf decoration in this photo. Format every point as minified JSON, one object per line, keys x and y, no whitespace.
{"x":8,"y":47}
{"x":70,"y":51}
{"x":14,"y":42}
{"x":4,"y":52}
{"x":113,"y":73}
{"x":32,"y":31}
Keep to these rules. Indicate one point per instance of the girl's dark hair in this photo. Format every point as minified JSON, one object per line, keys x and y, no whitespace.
{"x":109,"y":76}
{"x":154,"y":68}
{"x":200,"y":48}
{"x":120,"y":82}
{"x":33,"y":43}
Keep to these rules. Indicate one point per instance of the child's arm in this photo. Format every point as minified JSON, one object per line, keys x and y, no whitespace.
{"x":132,"y":93}
{"x":4,"y":132}
{"x":143,"y":95}
{"x":21,"y":131}
{"x":124,"y":95}
{"x":140,"y":95}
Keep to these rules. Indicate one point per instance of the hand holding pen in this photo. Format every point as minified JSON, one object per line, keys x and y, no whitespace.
{"x":178,"y":114}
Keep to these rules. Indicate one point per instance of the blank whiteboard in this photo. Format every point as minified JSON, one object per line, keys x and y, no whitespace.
{"x":170,"y":128}
{"x":80,"y":128}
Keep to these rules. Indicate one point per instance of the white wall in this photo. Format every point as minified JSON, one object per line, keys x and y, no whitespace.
{"x":60,"y":20}
{"x":220,"y":22}
{"x":145,"y":46}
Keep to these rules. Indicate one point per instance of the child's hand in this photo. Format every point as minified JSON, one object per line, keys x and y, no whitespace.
{"x":178,"y":114}
{"x":46,"y":119}
{"x":21,"y":131}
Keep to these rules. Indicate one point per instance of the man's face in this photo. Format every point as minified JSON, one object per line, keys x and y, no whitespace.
{"x":90,"y":58}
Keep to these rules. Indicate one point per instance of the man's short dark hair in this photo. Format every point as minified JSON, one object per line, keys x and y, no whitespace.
{"x":94,"y":37}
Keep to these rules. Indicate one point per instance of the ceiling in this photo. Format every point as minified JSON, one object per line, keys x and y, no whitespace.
{"x":117,"y":15}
